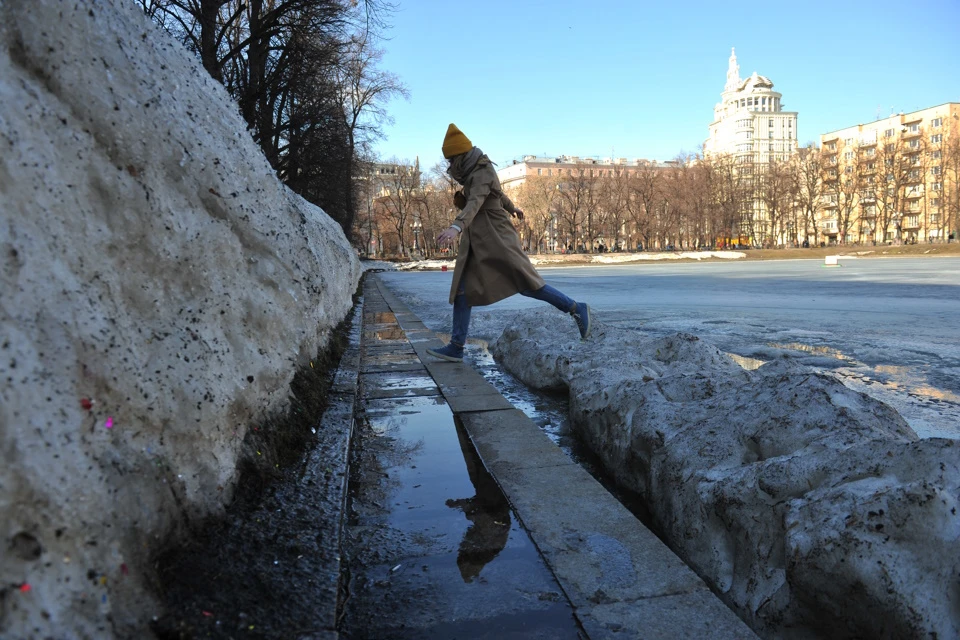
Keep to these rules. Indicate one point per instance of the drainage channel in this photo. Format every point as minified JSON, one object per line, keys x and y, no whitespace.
{"x":432,"y":548}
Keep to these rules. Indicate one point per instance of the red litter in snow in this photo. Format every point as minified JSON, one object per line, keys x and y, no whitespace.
{"x":86,"y":403}
{"x":207,"y":613}
{"x":109,"y":423}
{"x":25,"y":587}
{"x":443,"y":267}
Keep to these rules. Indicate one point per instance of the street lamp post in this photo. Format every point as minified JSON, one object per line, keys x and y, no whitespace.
{"x":416,"y":235}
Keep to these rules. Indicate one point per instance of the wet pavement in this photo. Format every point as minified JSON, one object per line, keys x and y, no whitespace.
{"x":432,"y":549}
{"x":465,"y":520}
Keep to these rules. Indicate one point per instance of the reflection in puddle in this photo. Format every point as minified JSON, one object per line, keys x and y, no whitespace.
{"x":488,"y":511}
{"x":381,"y":317}
{"x":394,"y":381}
{"x":393,"y":333}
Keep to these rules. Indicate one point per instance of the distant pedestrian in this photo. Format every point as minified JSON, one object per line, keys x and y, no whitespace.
{"x":491,"y":264}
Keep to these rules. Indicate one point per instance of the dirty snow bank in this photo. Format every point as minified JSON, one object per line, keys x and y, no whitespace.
{"x":159,"y":289}
{"x":579,"y":259}
{"x":809,"y":506}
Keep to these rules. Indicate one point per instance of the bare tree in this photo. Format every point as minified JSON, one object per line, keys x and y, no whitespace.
{"x":400,"y":202}
{"x":614,"y":194}
{"x":538,"y":196}
{"x":949,"y":183}
{"x":808,"y":186}
{"x":896,"y":160}
{"x":646,"y":194}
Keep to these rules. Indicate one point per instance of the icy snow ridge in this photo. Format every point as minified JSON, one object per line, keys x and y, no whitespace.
{"x":810,"y":507}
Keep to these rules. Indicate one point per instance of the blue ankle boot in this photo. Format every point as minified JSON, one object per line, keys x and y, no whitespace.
{"x":581,"y":314}
{"x":453,"y":352}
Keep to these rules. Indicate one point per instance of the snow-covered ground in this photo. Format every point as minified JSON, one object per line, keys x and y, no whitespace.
{"x":607,"y":258}
{"x":887,"y":327}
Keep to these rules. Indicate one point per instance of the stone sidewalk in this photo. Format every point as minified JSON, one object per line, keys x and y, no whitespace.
{"x":619,"y":579}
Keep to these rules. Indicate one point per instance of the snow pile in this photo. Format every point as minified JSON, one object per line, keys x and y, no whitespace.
{"x":423,"y":265}
{"x":616,"y":258}
{"x":159,"y":290}
{"x":576,"y":258}
{"x":811,"y":507}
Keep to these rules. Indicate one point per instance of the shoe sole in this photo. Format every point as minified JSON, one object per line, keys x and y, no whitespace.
{"x":443,"y":357}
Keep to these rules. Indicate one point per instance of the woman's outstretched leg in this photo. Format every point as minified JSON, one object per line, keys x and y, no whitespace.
{"x":579,"y":310}
{"x":453,"y":352}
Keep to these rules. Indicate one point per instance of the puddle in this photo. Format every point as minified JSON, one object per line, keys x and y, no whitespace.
{"x":750,"y":364}
{"x":409,"y":380}
{"x":392,"y":333}
{"x":433,"y":549}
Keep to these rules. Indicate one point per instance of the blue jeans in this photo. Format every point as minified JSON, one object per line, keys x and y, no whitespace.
{"x":461,"y":310}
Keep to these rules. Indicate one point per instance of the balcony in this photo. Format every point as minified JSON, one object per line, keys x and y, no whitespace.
{"x":914,"y":192}
{"x":911,"y":133}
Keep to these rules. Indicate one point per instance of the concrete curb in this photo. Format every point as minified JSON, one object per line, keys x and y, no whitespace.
{"x":324,"y":483}
{"x":621,"y":579}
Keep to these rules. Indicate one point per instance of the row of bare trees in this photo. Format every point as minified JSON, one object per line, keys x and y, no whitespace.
{"x":305,"y":76}
{"x":894,"y":188}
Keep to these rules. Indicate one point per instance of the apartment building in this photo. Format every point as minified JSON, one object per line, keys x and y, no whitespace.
{"x":749,"y":122}
{"x":516,"y":173}
{"x":892,"y":180}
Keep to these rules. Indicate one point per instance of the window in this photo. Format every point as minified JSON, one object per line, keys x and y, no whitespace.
{"x":914,"y":144}
{"x":549,"y":172}
{"x":913,"y":221}
{"x":937,"y":186}
{"x":771,"y":135}
{"x":832,"y":146}
{"x":936,"y":122}
{"x":848,"y":170}
{"x":888,"y":133}
{"x":871,"y":166}
{"x":889,"y":148}
{"x":913,"y":128}
{"x":771,"y":123}
{"x":936,"y":138}
{"x":848,"y":155}
{"x":935,"y":171}
{"x":539,"y":172}
{"x":934,"y":202}
{"x":936,"y":154}
{"x":848,"y":142}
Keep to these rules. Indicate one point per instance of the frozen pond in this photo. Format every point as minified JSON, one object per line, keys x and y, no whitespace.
{"x":887,"y":327}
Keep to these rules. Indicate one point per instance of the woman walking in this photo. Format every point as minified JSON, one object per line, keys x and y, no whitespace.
{"x":491,"y":264}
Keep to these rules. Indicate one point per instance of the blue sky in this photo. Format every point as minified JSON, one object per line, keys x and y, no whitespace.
{"x":639,"y":79}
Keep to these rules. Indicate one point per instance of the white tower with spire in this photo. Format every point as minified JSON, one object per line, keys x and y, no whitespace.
{"x":749,"y":121}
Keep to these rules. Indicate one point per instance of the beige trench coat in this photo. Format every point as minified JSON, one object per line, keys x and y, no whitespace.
{"x":491,"y":263}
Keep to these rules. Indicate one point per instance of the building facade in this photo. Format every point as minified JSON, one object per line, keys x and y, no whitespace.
{"x":749,"y":122}
{"x":893,"y":180}
{"x":515,"y":174}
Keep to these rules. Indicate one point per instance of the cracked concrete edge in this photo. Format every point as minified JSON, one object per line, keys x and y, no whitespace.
{"x":328,"y":468}
{"x":568,"y":514}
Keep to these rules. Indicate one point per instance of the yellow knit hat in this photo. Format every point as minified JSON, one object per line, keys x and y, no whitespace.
{"x":455,"y":143}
